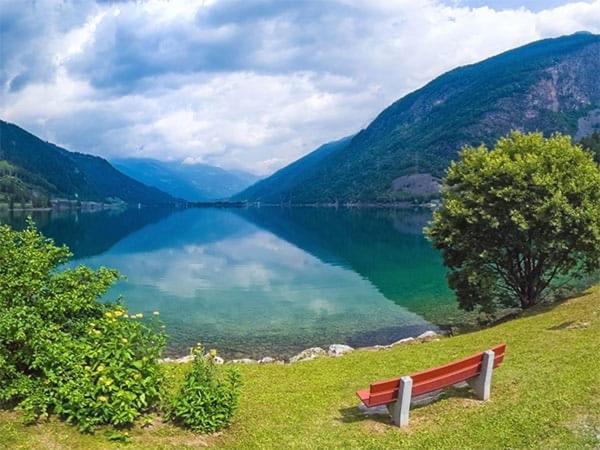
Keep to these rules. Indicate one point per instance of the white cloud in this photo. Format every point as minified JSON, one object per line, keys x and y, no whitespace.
{"x":250,"y":85}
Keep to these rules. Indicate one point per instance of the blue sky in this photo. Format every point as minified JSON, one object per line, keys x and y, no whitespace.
{"x":244,"y":84}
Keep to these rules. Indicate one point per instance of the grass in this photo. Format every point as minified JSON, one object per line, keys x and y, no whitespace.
{"x":545,"y":395}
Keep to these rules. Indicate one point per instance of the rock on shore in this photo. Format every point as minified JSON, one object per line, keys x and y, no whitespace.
{"x":308,"y":354}
{"x":339,"y":350}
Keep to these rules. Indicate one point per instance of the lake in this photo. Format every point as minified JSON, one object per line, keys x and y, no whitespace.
{"x":266,"y":281}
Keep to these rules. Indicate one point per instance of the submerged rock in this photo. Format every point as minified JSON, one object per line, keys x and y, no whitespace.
{"x":339,"y":349}
{"x":308,"y":354}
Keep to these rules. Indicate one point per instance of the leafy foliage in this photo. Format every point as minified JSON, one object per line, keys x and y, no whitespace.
{"x":423,"y":131}
{"x":208,"y":398}
{"x":518,"y":218}
{"x":592,"y":143}
{"x":61,"y":350}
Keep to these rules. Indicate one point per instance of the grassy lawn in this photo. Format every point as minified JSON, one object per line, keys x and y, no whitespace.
{"x":545,"y":395}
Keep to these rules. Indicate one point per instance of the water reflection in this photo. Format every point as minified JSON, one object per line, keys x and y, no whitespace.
{"x":267,"y":281}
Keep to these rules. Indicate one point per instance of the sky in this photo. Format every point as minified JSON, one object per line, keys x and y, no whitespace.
{"x":242,"y":84}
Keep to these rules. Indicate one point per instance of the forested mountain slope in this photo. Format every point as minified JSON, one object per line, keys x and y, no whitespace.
{"x":59,"y":173}
{"x":551,"y":86}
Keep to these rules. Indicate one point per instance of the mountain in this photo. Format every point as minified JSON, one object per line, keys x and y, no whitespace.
{"x":47,"y":171}
{"x":551,"y":86}
{"x":279,"y":186}
{"x":193,"y":182}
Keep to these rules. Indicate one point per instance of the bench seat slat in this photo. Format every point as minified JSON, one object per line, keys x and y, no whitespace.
{"x":384,"y":392}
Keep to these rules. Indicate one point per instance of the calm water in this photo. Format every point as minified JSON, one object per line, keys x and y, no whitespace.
{"x":268,"y":281}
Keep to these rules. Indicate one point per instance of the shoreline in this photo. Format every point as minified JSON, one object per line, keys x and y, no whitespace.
{"x":308,"y":354}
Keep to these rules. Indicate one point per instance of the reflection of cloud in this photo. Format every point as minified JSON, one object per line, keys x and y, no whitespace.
{"x":256,"y":277}
{"x":321,"y":306}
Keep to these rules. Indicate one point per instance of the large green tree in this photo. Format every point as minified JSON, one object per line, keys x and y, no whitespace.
{"x":518,"y":220}
{"x":592,"y":143}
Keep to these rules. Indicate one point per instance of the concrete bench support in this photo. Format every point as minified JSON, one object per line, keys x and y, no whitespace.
{"x":400,"y":409}
{"x":482,"y":384}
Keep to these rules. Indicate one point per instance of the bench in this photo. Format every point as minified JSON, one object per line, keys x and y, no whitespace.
{"x":397,"y":393}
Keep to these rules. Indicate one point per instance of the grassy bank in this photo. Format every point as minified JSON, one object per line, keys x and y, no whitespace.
{"x":545,"y":395}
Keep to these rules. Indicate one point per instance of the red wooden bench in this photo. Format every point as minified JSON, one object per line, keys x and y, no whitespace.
{"x":397,"y":393}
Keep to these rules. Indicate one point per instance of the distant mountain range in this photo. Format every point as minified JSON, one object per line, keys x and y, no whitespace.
{"x":551,"y":86}
{"x":192,"y":182}
{"x":32,"y":171}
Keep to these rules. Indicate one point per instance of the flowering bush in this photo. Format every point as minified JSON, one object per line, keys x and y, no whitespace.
{"x":61,"y":350}
{"x":208,"y":398}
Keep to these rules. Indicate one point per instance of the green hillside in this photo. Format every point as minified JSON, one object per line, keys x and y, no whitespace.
{"x":45,"y":170}
{"x":22,"y":189}
{"x":551,"y":85}
{"x":280,"y":186}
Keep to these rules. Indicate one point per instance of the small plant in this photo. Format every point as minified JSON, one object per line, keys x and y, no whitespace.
{"x":208,"y":398}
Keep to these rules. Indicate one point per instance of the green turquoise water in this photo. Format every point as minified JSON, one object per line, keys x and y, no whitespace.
{"x":266,"y":281}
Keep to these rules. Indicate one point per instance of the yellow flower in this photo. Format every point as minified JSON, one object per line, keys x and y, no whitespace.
{"x":102,"y":398}
{"x":108,"y":382}
{"x":87,"y":367}
{"x":118,"y":312}
{"x":100,"y":368}
{"x":109,"y":314}
{"x":213,"y":352}
{"x":124,"y":340}
{"x":97,"y":332}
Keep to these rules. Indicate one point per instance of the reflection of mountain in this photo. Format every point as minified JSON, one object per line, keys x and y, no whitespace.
{"x":386,"y":247}
{"x":186,"y":228}
{"x":89,"y":233}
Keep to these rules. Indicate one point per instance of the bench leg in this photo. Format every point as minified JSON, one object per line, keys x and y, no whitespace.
{"x":482,"y":384}
{"x":400,"y":408}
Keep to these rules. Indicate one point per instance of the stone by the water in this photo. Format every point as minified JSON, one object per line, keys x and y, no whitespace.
{"x":243,"y":361}
{"x":427,"y":336}
{"x":308,"y":354}
{"x":339,"y":349}
{"x":404,"y":341}
{"x":266,"y":360}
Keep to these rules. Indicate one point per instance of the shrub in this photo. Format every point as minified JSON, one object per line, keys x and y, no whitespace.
{"x":61,"y":350}
{"x":208,"y":398}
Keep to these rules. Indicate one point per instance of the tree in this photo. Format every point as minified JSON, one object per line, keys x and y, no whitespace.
{"x":517,"y":221}
{"x":592,"y":143}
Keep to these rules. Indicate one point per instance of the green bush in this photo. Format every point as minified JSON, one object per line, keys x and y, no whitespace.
{"x":208,"y":398}
{"x":61,"y":350}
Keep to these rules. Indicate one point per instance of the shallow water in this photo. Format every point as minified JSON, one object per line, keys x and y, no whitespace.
{"x":269,"y":281}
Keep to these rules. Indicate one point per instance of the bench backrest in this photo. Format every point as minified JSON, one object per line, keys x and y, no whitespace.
{"x":430,"y":380}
